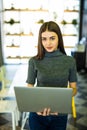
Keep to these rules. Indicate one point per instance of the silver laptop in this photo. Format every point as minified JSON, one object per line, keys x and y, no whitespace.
{"x":35,"y":99}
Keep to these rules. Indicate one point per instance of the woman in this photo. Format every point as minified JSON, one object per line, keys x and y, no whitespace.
{"x":50,"y":67}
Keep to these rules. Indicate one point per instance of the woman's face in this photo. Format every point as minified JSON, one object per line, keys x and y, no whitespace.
{"x":49,"y":41}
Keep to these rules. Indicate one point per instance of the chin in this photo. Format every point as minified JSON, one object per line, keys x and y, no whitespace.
{"x":50,"y":50}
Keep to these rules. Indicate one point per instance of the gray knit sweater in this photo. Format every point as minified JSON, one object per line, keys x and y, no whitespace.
{"x":55,"y":69}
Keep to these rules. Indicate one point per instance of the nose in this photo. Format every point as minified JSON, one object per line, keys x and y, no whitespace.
{"x":48,"y":42}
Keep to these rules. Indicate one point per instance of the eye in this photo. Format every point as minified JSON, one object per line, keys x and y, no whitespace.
{"x":52,"y":38}
{"x":43,"y":39}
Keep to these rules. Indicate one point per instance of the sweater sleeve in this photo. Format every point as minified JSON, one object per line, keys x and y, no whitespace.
{"x":73,"y":71}
{"x":31,"y":75}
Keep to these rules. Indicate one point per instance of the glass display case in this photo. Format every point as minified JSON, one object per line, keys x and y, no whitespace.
{"x":84,"y":19}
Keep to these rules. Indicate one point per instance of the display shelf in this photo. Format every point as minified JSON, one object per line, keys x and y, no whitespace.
{"x":70,"y":24}
{"x":30,"y":10}
{"x":72,"y":11}
{"x":69,"y":46}
{"x":13,"y":46}
{"x":69,"y":35}
{"x":18,"y":57}
{"x":73,"y":22}
{"x":21,"y":24}
{"x":10,"y":57}
{"x":21,"y":34}
{"x":8,"y":22}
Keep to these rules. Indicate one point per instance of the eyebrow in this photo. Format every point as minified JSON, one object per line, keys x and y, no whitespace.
{"x":49,"y":37}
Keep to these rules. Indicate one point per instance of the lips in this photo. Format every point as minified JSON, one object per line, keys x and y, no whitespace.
{"x":49,"y":48}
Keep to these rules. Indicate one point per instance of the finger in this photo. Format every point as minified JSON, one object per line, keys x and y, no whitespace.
{"x":48,"y":111}
{"x":45,"y":112}
{"x":54,"y":113}
{"x":39,"y":113}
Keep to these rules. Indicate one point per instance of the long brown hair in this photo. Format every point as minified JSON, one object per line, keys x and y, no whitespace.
{"x":53,"y":27}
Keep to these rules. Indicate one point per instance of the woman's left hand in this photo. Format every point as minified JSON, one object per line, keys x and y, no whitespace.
{"x":47,"y":112}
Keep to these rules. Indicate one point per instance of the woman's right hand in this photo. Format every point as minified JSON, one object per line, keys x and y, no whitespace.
{"x":45,"y":112}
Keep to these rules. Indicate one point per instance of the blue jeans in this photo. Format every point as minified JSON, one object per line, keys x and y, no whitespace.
{"x":37,"y":122}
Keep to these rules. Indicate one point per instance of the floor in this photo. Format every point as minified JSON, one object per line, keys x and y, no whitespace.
{"x":80,"y":123}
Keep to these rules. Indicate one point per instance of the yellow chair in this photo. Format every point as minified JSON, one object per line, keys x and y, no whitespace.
{"x":73,"y":107}
{"x":7,"y":106}
{"x":2,"y":83}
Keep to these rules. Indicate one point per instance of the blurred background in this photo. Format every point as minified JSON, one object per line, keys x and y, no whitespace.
{"x":20,"y":21}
